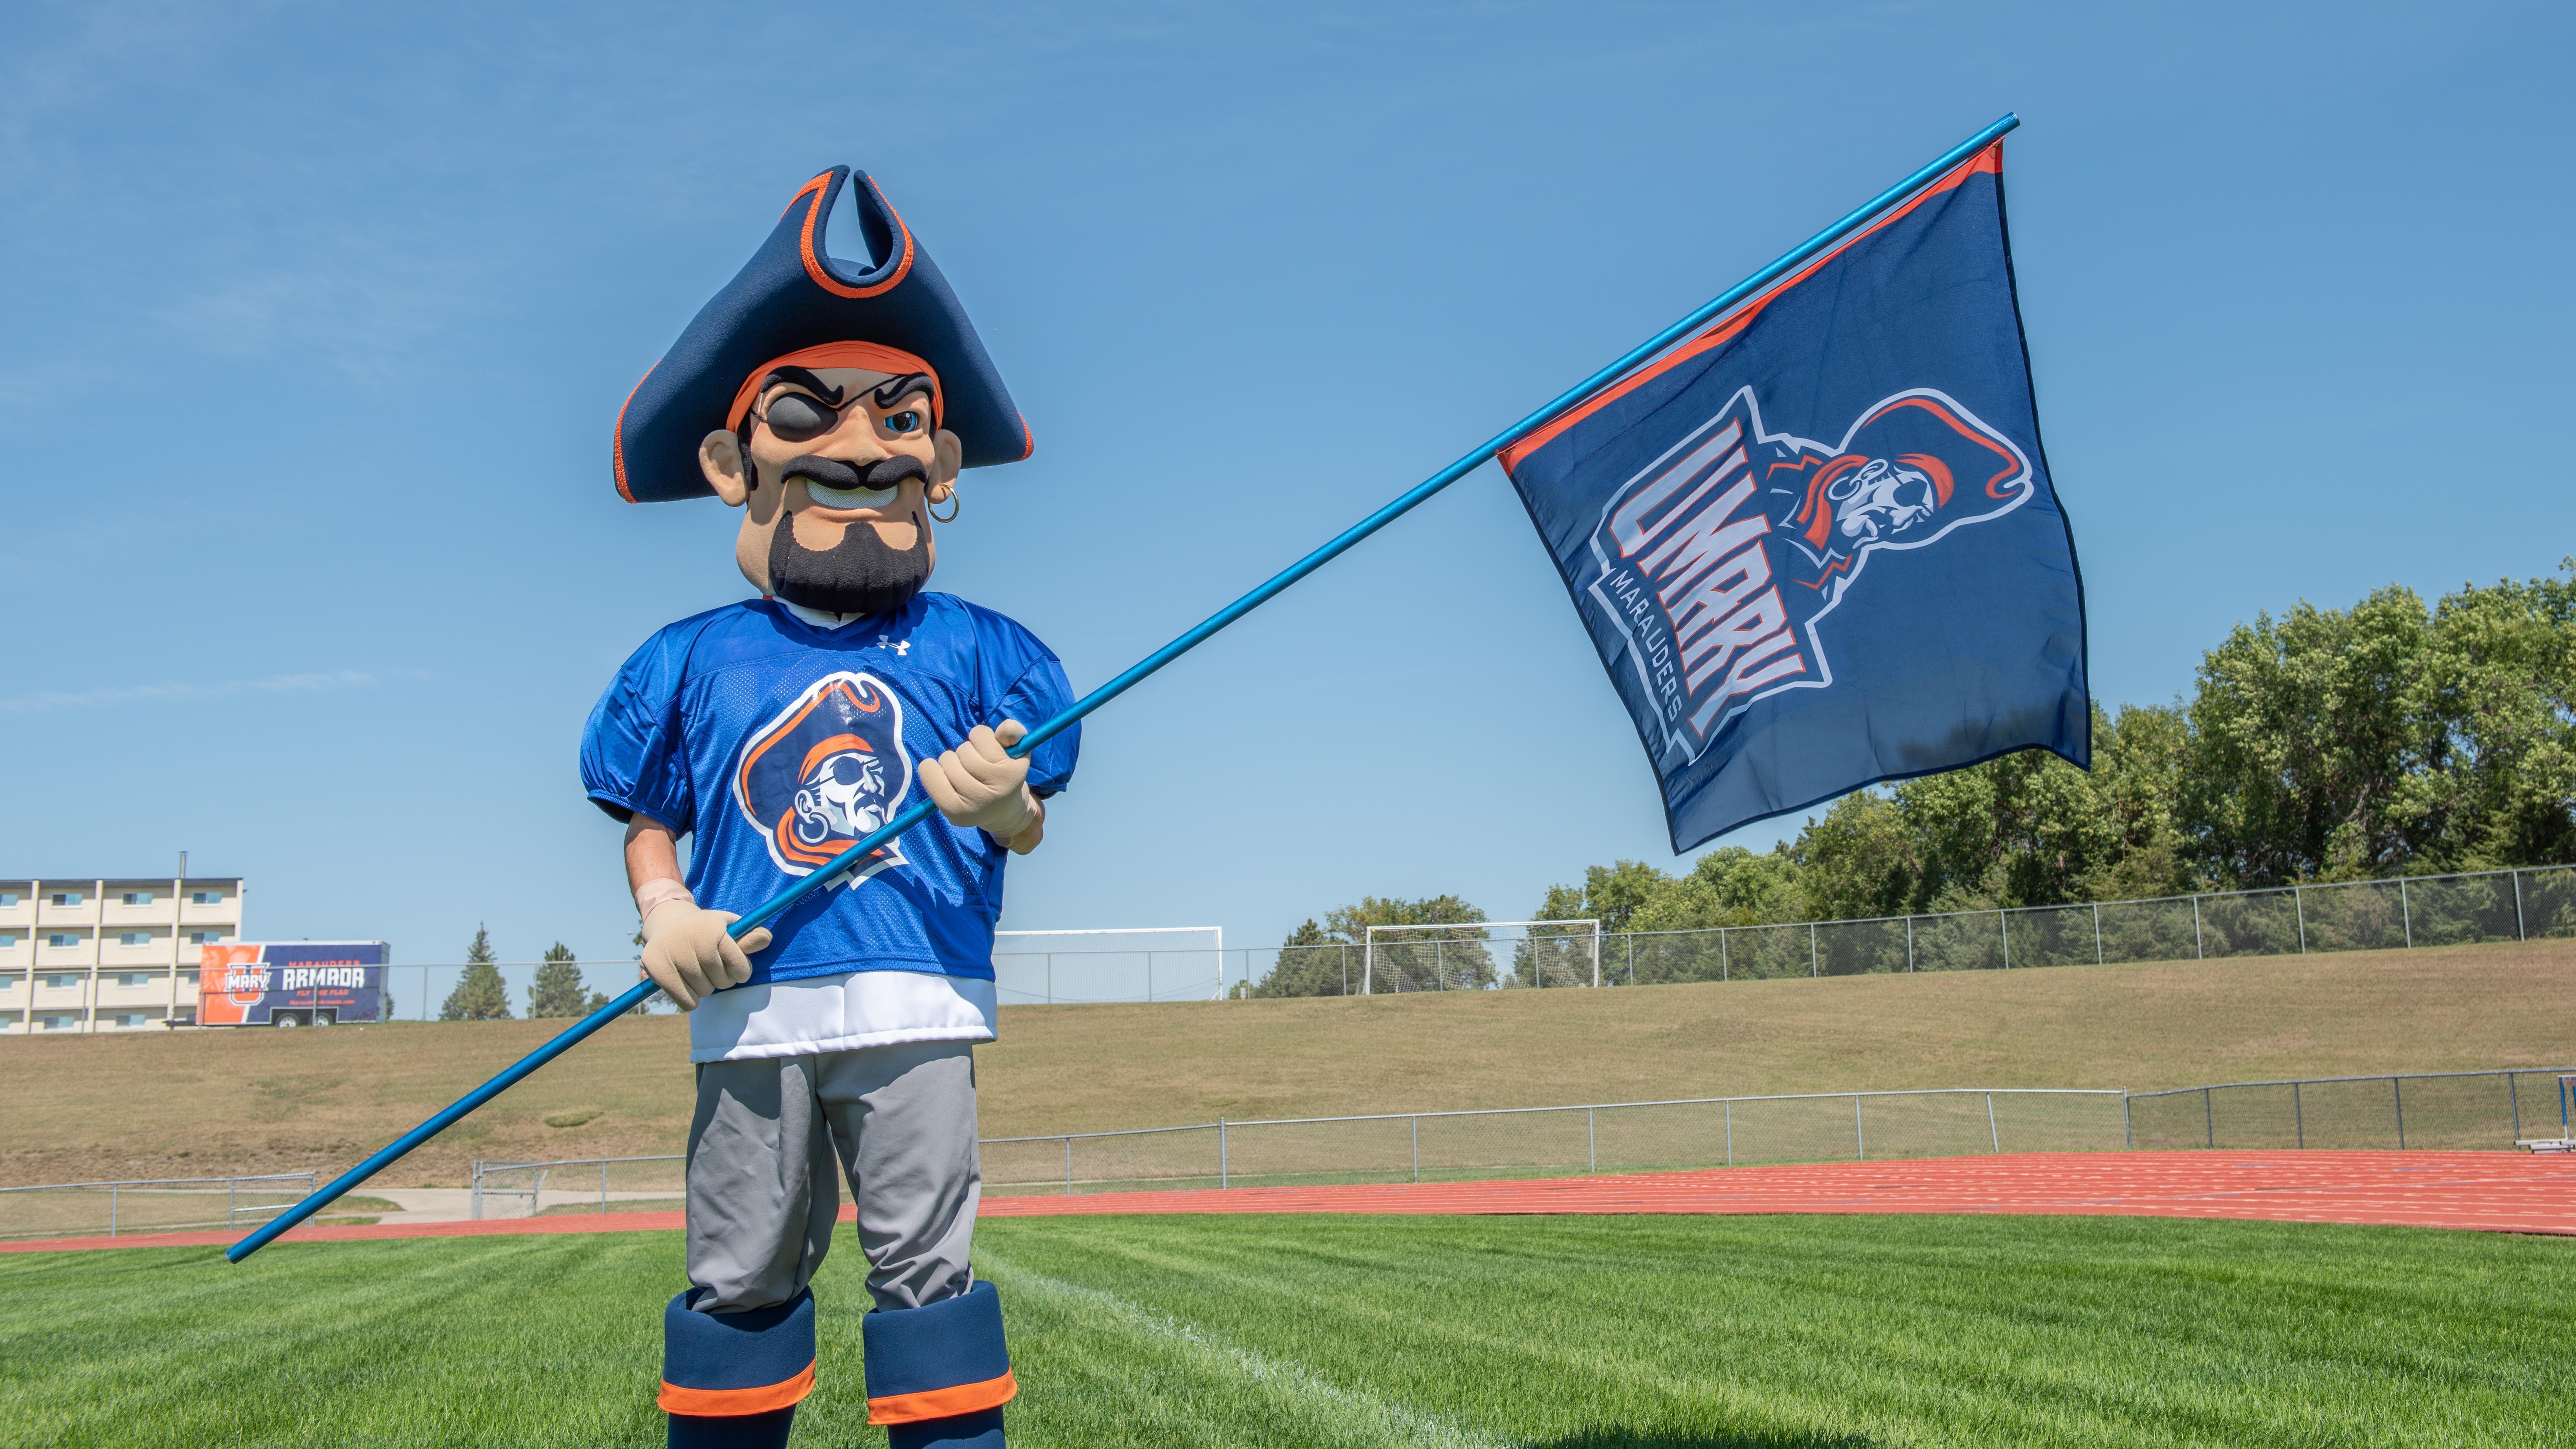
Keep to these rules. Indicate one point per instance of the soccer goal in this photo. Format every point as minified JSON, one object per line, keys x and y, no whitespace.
{"x":1481,"y":956}
{"x":1142,"y":963}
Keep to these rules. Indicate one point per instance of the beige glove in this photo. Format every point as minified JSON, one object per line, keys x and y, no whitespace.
{"x":688,"y":954}
{"x":979,"y":786}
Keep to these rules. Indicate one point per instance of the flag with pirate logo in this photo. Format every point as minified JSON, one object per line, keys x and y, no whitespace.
{"x":1816,"y":544}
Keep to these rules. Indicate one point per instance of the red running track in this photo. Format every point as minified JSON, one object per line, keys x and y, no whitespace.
{"x":2492,"y":1191}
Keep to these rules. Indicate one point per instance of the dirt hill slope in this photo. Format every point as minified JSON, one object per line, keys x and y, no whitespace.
{"x":193,"y":1103}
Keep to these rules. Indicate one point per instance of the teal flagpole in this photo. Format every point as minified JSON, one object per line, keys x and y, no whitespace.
{"x":1136,"y":674}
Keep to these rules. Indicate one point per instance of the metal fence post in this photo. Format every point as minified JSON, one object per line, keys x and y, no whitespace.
{"x":2097,"y":933}
{"x":2299,"y":1116}
{"x":1417,"y":1148}
{"x":2513,"y":1094}
{"x":2299,"y":903}
{"x":1223,"y":1177}
{"x":1860,"y":1144}
{"x":2406,"y":912}
{"x":603,"y":1187}
{"x":1591,"y":1140}
{"x":111,"y":1209}
{"x":2128,"y":1122}
{"x":1068,"y":1167}
{"x":1996,"y":1137}
{"x":1725,"y":973}
{"x":1730,"y":1134}
{"x":2398,"y":1094}
{"x":2003,"y":928}
{"x":2208,"y":1120}
{"x":1813,"y":967}
{"x":2521,"y":932}
{"x":2198,"y":951}
{"x":1909,"y":943}
{"x":1632,"y":957}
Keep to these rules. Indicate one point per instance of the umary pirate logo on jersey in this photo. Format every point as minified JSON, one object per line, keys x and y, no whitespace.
{"x":825,"y":771}
{"x":1720,"y":560}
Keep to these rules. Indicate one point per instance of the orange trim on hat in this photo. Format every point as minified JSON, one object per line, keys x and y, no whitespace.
{"x":870,"y":356}
{"x":814,"y":267}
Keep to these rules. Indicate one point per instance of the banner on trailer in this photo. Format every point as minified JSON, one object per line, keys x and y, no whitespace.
{"x":1816,"y":545}
{"x":310,"y":981}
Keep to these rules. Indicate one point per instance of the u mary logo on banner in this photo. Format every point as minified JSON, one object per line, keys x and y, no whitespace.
{"x":1720,"y":560}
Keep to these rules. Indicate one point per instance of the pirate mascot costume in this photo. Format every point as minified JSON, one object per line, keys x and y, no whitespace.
{"x":834,"y":406}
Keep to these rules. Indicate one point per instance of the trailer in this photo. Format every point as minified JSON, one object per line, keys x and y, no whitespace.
{"x":291,"y":983}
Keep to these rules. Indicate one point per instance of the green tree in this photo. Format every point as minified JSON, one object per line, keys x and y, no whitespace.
{"x":1459,"y":960}
{"x":1310,"y":963}
{"x":479,"y":994}
{"x":2305,"y":731}
{"x":557,"y":989}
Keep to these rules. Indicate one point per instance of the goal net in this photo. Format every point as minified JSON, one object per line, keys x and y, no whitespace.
{"x":1143,"y":963}
{"x":1483,"y":956}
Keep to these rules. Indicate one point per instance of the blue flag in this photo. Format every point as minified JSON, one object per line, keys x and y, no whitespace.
{"x":1816,"y":545}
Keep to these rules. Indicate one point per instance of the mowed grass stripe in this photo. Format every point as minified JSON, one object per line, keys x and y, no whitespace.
{"x":1559,"y":1333}
{"x":1323,"y":1412}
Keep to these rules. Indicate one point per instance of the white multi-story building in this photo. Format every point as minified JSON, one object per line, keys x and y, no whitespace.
{"x":109,"y":955}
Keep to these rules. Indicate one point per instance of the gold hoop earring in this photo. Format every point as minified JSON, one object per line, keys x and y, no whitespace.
{"x":955,"y":503}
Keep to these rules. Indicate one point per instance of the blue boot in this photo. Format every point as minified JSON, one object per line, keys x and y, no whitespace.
{"x":939,"y":1374}
{"x":733,"y":1380}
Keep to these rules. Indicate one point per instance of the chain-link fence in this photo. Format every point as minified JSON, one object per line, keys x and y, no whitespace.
{"x":2442,"y":910}
{"x":153,"y":1205}
{"x":578,"y":1185}
{"x":1543,"y":1141}
{"x":1426,"y":1146}
{"x":2471,"y":1110}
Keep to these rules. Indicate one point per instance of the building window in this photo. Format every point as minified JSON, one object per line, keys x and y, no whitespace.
{"x":207,"y":898}
{"x":8,"y":939}
{"x":205,"y":938}
{"x":62,"y":983}
{"x":8,"y":898}
{"x":133,"y":1018}
{"x":56,"y":1023}
{"x":8,"y":982}
{"x":134,"y":938}
{"x":68,"y":898}
{"x":135,"y":978}
{"x":138,"y":898}
{"x":60,"y":938}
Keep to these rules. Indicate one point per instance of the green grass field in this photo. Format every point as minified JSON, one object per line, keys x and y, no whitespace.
{"x":1681,"y":1333}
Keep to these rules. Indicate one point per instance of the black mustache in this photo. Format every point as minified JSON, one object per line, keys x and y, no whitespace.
{"x":834,"y":473}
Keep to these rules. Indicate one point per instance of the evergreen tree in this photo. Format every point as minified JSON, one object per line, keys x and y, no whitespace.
{"x":557,"y":989}
{"x":479,"y":994}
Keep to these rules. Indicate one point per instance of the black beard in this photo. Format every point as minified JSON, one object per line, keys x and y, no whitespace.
{"x":860,"y":574}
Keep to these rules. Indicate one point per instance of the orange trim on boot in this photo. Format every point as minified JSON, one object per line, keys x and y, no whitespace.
{"x":944,"y":1403}
{"x":730,"y":1403}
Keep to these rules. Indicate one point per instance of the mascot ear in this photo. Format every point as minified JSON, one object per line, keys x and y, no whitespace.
{"x":720,"y":459}
{"x":951,"y":457}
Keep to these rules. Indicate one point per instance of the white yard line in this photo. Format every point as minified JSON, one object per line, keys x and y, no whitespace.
{"x":1337,"y":1414}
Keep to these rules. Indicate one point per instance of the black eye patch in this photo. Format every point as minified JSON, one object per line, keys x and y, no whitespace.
{"x":794,"y":417}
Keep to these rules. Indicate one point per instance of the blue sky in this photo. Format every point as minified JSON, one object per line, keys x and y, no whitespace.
{"x":313,"y":322}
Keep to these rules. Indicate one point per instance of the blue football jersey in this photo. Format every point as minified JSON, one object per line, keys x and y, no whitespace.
{"x":776,"y":745}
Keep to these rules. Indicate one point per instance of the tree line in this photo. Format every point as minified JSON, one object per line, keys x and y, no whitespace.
{"x":2389,"y":739}
{"x":556,"y":990}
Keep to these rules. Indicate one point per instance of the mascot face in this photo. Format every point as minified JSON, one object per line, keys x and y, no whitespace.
{"x":834,"y":469}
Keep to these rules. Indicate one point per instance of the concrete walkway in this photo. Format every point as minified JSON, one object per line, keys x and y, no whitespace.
{"x":456,"y":1204}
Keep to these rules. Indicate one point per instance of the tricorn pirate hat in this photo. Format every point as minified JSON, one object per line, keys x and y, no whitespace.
{"x":792,"y":297}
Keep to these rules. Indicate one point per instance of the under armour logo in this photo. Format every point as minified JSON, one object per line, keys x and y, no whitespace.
{"x":899,"y":646}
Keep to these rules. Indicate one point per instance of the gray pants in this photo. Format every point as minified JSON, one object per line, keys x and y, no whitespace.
{"x":770,"y":1135}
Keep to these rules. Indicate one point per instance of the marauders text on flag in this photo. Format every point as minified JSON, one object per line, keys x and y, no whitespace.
{"x":1816,"y":544}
